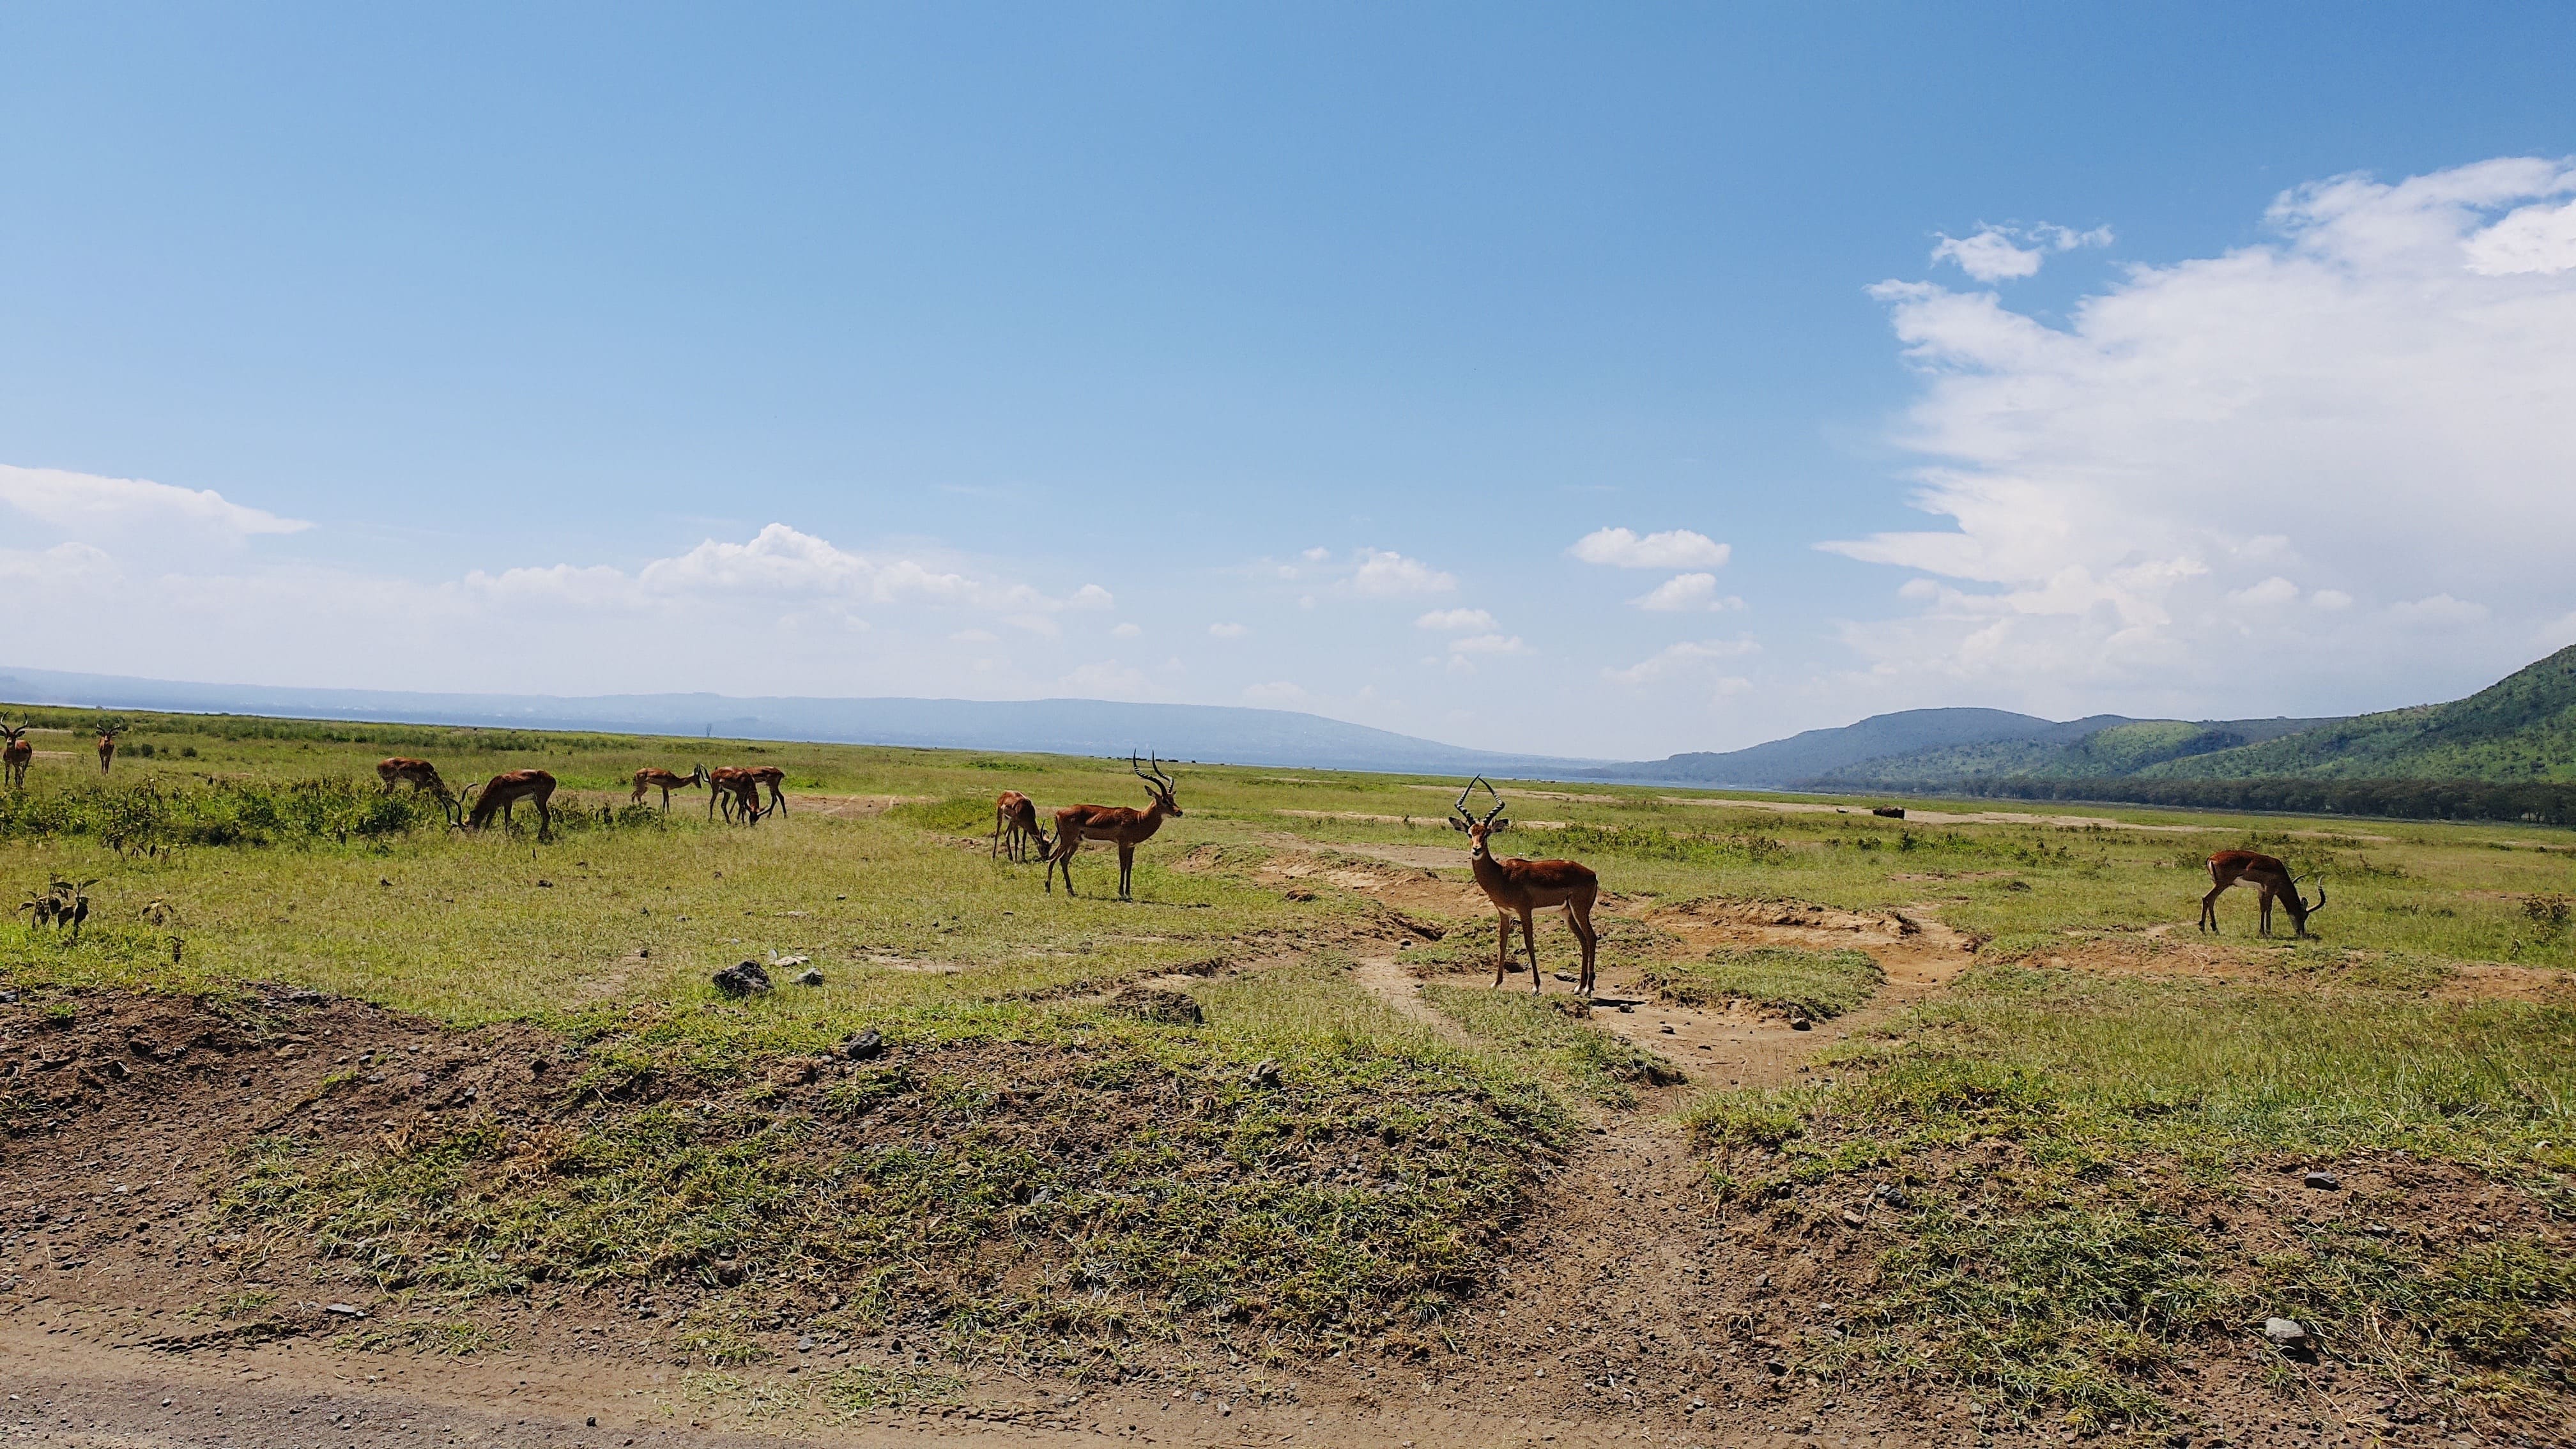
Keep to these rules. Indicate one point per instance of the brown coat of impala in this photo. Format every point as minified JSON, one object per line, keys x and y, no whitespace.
{"x":107,"y":746}
{"x":501,"y":792}
{"x":732,"y":785}
{"x":1129,"y":827}
{"x":1016,"y":815}
{"x":654,"y":777}
{"x":15,"y":754}
{"x":419,"y":774}
{"x":1521,"y":887}
{"x":2266,"y":874}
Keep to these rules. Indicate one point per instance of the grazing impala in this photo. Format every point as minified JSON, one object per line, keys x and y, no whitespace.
{"x":1017,"y":815}
{"x":504,"y":791}
{"x":653,"y":777}
{"x":1519,"y":887}
{"x":730,"y":785}
{"x":2266,"y":874}
{"x":419,"y":774}
{"x":1130,"y":827}
{"x":107,"y":734}
{"x":15,"y":755}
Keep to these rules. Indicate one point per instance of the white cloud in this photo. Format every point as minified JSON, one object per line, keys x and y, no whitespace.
{"x":1489,"y":644}
{"x":88,"y":503}
{"x":1674,"y":549}
{"x":2272,"y":591}
{"x":2531,"y":239}
{"x":1384,"y":573}
{"x":2438,"y":611}
{"x":1316,"y":555}
{"x":1228,"y":631}
{"x":1686,"y":593}
{"x":976,"y":636}
{"x":1126,"y":631}
{"x":1277,"y":694}
{"x":2371,"y":394}
{"x":1990,"y":253}
{"x":1689,"y":656}
{"x":2331,"y":599}
{"x":1455,"y":619}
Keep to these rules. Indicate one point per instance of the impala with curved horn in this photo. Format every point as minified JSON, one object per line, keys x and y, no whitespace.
{"x":1126,"y":825}
{"x":653,"y":777}
{"x":500,"y":793}
{"x":1520,"y":887}
{"x":15,"y":754}
{"x":2266,"y":874}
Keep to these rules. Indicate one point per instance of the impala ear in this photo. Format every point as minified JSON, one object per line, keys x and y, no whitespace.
{"x":1503,"y":824}
{"x":1457,"y":824}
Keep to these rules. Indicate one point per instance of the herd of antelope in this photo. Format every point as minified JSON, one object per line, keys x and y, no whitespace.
{"x":1517,"y":888}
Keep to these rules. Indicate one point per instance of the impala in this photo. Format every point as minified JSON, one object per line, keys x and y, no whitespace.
{"x":653,"y":777}
{"x":500,"y":793}
{"x":1129,"y":827}
{"x":420,"y":774}
{"x":2266,"y":874}
{"x":1016,"y":815}
{"x":107,"y":734}
{"x":15,"y":754}
{"x":1519,"y":887}
{"x":731,"y":785}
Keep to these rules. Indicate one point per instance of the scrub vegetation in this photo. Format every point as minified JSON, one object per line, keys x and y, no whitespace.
{"x":2077,"y":1170}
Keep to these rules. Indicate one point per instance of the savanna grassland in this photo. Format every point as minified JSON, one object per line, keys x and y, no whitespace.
{"x":1948,"y":1129}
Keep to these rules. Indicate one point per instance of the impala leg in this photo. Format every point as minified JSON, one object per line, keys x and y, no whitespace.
{"x":1529,"y":941}
{"x":545,"y":821}
{"x":1126,"y":871}
{"x":1584,"y":935}
{"x":1502,"y":946}
{"x":2267,"y":911}
{"x":2209,"y":909}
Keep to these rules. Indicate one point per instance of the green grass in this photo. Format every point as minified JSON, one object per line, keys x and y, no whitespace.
{"x":1032,"y":1175}
{"x":1551,"y":1030}
{"x":2061,"y":1139}
{"x":1817,"y":984}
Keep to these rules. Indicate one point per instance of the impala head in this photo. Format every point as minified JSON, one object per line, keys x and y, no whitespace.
{"x":1478,"y":827}
{"x":1160,"y":784}
{"x":698,"y":776}
{"x":12,"y":734}
{"x":2300,"y":910}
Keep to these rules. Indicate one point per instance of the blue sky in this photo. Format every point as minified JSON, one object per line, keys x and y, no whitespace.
{"x":1290,"y":355}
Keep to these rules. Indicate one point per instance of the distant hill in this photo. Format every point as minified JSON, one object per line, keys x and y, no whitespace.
{"x":2521,"y":728}
{"x":2080,"y":750}
{"x":1214,"y":733}
{"x":1802,"y":758}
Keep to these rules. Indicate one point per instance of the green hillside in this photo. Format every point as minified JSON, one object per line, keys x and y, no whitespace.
{"x":2522,"y":728}
{"x":2127,"y":748}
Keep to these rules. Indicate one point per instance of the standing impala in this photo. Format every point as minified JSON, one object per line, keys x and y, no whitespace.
{"x":1519,"y":887}
{"x":420,"y":774}
{"x":2266,"y":874}
{"x":1130,"y":827}
{"x":653,"y":777}
{"x":15,"y":755}
{"x":107,"y":735}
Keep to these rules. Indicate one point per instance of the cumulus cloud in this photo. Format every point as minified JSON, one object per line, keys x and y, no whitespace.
{"x":1996,"y":253}
{"x":1687,"y":657}
{"x":2378,"y":401}
{"x":1383,"y":573}
{"x":1684,"y":593}
{"x":1454,"y":620}
{"x":1677,"y":548}
{"x":1488,"y":644}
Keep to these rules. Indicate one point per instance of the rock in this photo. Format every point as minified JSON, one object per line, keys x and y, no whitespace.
{"x":810,"y":976}
{"x":2323,"y":1181}
{"x":1852,"y":1219}
{"x":2284,"y":1331}
{"x":1667,"y":1028}
{"x":1628,"y":1006}
{"x":743,"y":978}
{"x":866,"y":1046}
{"x":805,"y":1344}
{"x":783,"y":962}
{"x":1888,"y":812}
{"x":1154,"y":1003}
{"x":344,"y":1310}
{"x":1266,"y":1074}
{"x":1800,"y":1023}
